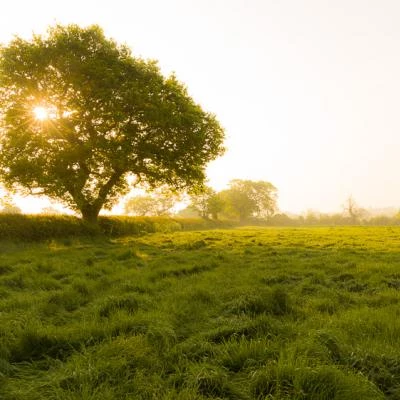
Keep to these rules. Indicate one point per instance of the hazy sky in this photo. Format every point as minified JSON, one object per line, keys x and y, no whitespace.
{"x":307,"y":90}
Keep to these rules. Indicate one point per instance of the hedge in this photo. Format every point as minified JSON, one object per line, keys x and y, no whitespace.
{"x":41,"y":227}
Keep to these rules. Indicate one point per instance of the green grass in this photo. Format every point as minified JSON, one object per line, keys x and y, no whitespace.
{"x":251,"y":313}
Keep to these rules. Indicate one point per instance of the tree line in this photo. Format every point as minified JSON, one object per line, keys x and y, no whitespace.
{"x":243,"y":199}
{"x":254,"y":202}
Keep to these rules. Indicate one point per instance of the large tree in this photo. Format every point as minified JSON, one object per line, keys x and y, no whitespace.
{"x":79,"y":114}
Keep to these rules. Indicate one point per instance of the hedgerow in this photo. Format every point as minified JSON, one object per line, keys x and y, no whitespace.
{"x":42,"y":227}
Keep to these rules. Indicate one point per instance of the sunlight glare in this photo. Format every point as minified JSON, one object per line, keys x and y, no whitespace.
{"x":41,"y":113}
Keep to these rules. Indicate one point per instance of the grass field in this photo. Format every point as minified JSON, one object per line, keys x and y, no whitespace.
{"x":227,"y":314}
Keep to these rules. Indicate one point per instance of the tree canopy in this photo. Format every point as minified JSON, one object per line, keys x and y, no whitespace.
{"x":79,"y":114}
{"x":158,"y":202}
{"x":242,"y":200}
{"x":207,"y":203}
{"x":246,"y":198}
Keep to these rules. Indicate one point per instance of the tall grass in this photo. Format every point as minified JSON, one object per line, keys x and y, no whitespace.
{"x":303,"y":314}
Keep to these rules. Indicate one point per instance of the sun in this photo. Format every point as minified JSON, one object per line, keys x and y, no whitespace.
{"x":41,"y":113}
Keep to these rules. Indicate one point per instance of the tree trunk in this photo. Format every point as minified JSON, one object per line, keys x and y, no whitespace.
{"x":89,"y":214}
{"x":90,"y":209}
{"x":214,"y":216}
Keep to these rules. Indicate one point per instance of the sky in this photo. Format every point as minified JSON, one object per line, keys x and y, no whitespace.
{"x":308,"y":91}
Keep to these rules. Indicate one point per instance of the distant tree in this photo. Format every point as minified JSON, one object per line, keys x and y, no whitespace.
{"x":331,"y":219}
{"x":312,"y":217}
{"x":282,"y":220}
{"x":353,"y":211}
{"x":141,"y":205}
{"x":383,"y":220}
{"x":10,"y":209}
{"x":188,"y":212}
{"x":216,"y":205}
{"x":7,"y":205}
{"x":50,"y":211}
{"x":156,"y":203}
{"x":246,"y":198}
{"x":199,"y":201}
{"x":79,"y":114}
{"x":208,"y":203}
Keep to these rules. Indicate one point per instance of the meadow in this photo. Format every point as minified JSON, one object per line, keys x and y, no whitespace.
{"x":246,"y":313}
